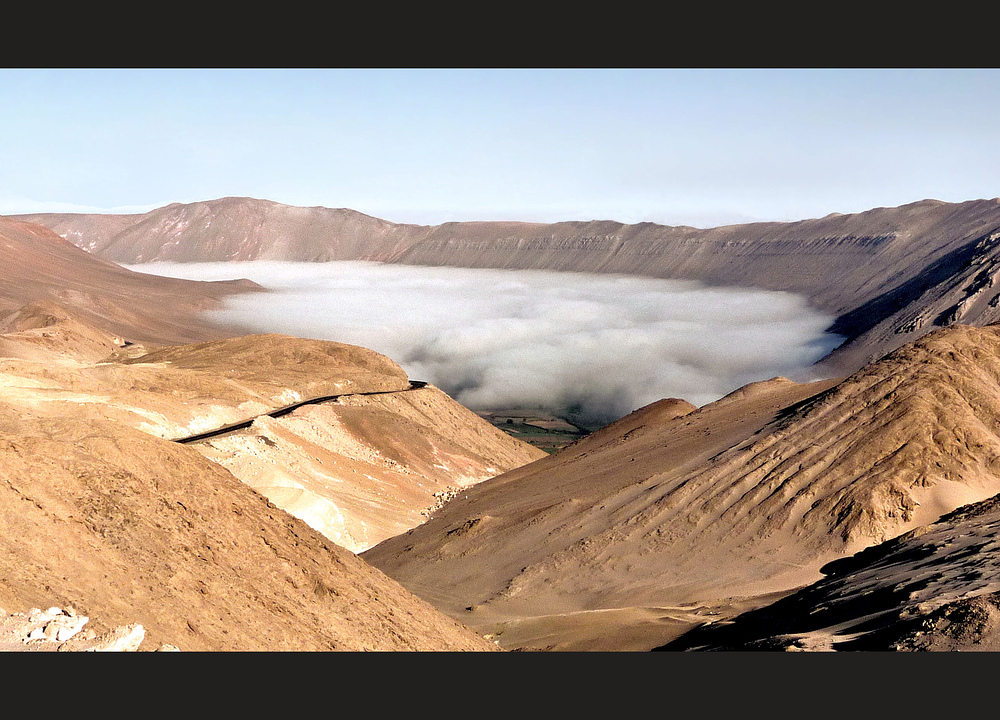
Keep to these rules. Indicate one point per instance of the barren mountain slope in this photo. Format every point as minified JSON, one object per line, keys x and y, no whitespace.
{"x":934,"y":588}
{"x":85,"y":230}
{"x":365,"y":468}
{"x":816,"y":257}
{"x":889,"y":274}
{"x":888,"y":449}
{"x":471,"y":551}
{"x":233,"y":229}
{"x":129,"y":528}
{"x":44,"y":331}
{"x":36,"y":264}
{"x":361,"y":468}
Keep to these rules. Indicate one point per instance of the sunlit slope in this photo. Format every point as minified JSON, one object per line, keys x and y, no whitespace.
{"x":233,"y":228}
{"x":128,"y":528}
{"x":479,"y":549}
{"x":363,"y":469}
{"x":38,"y":265}
{"x":756,"y":502}
{"x":360,"y":468}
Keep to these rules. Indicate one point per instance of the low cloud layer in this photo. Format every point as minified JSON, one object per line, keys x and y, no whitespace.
{"x":593,"y":346}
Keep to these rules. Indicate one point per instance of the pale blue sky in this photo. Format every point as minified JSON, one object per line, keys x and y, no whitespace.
{"x":699,"y":147}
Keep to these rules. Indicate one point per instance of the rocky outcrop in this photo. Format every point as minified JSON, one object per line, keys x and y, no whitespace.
{"x":62,"y":630}
{"x":935,"y":588}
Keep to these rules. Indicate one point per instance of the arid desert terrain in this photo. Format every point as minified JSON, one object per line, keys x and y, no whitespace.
{"x":173,"y":483}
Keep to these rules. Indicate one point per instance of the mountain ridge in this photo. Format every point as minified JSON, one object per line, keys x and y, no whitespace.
{"x":36,"y":264}
{"x":888,"y":275}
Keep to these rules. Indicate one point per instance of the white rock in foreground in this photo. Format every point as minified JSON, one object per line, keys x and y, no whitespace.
{"x":62,"y":630}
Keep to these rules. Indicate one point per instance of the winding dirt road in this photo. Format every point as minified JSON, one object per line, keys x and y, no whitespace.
{"x":414,"y":385}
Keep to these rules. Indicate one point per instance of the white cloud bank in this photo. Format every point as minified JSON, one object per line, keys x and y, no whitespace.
{"x":595,"y":346}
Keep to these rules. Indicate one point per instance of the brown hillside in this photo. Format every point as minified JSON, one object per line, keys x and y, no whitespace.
{"x":363,"y":469}
{"x":472,"y":552}
{"x":233,"y":229}
{"x":38,"y":265}
{"x":738,"y":507}
{"x":128,"y":528}
{"x":109,"y":517}
{"x":359,"y":469}
{"x":936,"y":588}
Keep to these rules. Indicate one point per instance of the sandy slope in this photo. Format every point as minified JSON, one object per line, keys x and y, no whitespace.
{"x":473,"y":557}
{"x":359,"y":469}
{"x":128,"y":528}
{"x":106,"y":514}
{"x":38,"y":265}
{"x":745,"y":497}
{"x":935,"y":588}
{"x":363,"y":469}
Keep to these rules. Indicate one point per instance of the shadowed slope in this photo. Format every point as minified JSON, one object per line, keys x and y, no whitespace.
{"x":934,"y":588}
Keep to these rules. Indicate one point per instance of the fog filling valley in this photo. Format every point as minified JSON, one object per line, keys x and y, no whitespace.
{"x":591,"y":348}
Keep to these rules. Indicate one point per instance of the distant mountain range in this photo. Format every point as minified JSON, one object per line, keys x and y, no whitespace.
{"x":888,"y":275}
